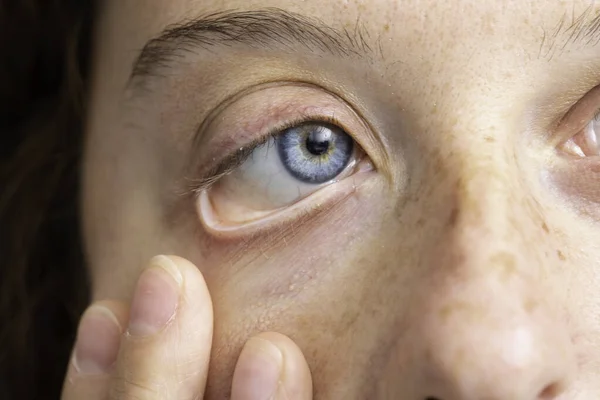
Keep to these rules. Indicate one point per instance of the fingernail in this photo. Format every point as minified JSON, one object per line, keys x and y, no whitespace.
{"x":258,"y":371}
{"x":156,"y":297}
{"x":98,"y":340}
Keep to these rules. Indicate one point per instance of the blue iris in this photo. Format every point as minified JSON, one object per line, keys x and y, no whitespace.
{"x":315,"y":152}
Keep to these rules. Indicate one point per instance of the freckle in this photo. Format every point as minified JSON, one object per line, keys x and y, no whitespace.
{"x":428,"y":354}
{"x":386,"y":27}
{"x":561,"y":255}
{"x":449,"y":309}
{"x":453,"y":217}
{"x":489,"y":139}
{"x":348,"y":320}
{"x":438,"y":166}
{"x":545,"y":228}
{"x":420,"y":222}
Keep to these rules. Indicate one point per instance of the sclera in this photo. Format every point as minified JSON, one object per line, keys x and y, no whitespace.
{"x":321,"y":200}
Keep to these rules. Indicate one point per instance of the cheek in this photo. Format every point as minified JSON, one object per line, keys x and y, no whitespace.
{"x":312,"y":284}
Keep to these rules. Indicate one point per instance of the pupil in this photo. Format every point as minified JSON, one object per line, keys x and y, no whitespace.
{"x":317,"y":143}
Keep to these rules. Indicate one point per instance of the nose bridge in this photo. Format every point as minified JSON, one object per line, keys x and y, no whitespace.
{"x":485,"y":195}
{"x":493,"y":222}
{"x":487,"y":330}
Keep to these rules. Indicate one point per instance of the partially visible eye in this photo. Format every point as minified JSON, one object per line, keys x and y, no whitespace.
{"x":576,"y":176}
{"x":289,"y":166}
{"x":586,"y":142}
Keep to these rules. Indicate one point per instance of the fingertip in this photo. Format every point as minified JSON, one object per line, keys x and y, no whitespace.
{"x":296,"y":379}
{"x":258,"y":371}
{"x":98,"y":338}
{"x":271,"y":366}
{"x":193,"y":279}
{"x":182,"y":263}
{"x":168,"y":340}
{"x":118,"y":309}
{"x":169,"y":266}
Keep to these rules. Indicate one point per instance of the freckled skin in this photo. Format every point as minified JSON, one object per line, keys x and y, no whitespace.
{"x":461,"y":277}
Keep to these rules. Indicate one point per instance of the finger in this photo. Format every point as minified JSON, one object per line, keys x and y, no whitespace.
{"x":95,"y":351}
{"x":165,"y":351}
{"x":271,"y":366}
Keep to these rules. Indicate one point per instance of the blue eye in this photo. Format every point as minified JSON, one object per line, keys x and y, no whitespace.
{"x":315,"y":152}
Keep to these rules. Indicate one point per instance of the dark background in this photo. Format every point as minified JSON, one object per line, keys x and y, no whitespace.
{"x":44,"y":58}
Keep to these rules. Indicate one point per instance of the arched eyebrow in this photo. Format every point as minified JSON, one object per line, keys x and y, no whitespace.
{"x":264,"y":28}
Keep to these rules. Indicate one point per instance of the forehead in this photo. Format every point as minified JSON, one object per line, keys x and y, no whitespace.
{"x":424,"y":49}
{"x":431,"y":22}
{"x":415,"y":39}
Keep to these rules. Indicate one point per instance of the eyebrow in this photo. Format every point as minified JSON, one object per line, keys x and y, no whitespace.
{"x":288,"y":31}
{"x":570,"y":32}
{"x":264,"y":28}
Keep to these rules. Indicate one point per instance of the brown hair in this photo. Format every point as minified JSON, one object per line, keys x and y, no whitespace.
{"x":43,"y":283}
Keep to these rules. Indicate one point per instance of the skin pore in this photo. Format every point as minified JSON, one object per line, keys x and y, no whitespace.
{"x":457,"y":261}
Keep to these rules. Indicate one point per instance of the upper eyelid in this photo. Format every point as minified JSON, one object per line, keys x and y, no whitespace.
{"x":256,"y":127}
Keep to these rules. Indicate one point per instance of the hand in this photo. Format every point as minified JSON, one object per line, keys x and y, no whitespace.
{"x":159,"y":347}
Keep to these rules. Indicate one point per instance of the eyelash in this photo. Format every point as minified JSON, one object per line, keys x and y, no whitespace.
{"x":231,"y":162}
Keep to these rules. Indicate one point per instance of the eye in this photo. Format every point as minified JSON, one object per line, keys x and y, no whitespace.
{"x":279,"y":153}
{"x":585,"y":143}
{"x":289,"y":166}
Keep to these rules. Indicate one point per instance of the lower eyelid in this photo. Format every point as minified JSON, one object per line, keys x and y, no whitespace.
{"x":310,"y":207}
